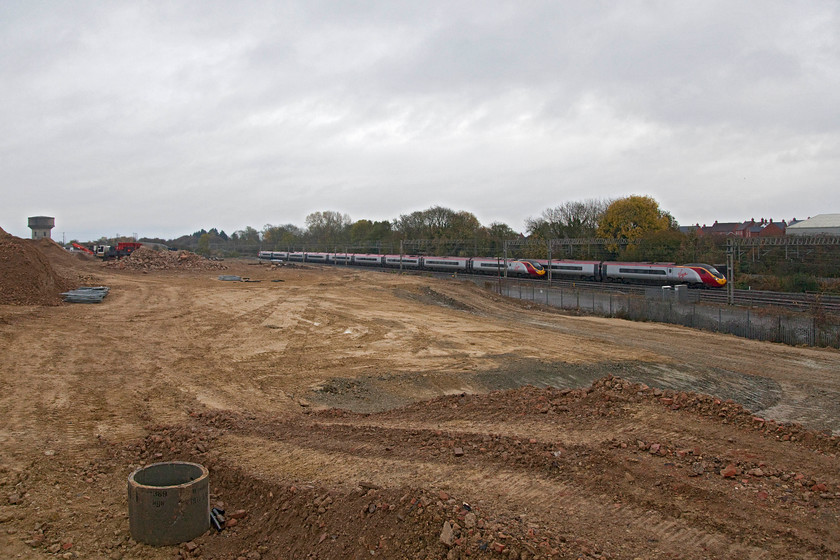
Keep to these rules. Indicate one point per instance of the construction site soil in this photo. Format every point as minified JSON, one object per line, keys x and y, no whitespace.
{"x":356,"y":414}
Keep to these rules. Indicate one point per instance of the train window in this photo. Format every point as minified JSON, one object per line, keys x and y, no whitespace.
{"x":653,"y":271}
{"x":566,"y":267}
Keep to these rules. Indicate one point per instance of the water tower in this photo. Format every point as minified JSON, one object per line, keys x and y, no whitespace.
{"x":41,"y":226}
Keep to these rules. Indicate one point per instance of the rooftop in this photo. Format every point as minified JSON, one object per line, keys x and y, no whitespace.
{"x":818,"y":221}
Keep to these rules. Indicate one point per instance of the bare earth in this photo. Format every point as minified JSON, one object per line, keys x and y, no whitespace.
{"x":358,"y":414}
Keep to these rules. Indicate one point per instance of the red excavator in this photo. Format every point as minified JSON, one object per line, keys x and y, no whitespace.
{"x":107,"y":252}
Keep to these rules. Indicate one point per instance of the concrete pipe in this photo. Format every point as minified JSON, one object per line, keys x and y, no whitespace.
{"x":168,"y":503}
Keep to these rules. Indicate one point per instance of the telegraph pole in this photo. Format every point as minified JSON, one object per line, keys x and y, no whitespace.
{"x":730,"y":272}
{"x":549,"y":263}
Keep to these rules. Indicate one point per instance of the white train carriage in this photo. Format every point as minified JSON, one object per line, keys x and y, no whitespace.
{"x":488,"y":265}
{"x":318,"y":258}
{"x":653,"y":273}
{"x":340,"y":258}
{"x":368,"y":259}
{"x":530,"y":268}
{"x":453,"y":264}
{"x":572,"y":269}
{"x":297,"y":256}
{"x":406,"y":261}
{"x":273,"y":255}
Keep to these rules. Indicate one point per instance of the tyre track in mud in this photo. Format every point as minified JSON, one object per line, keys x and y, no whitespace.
{"x":586,"y":485}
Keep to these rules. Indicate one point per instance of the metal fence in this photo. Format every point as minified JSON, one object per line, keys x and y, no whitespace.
{"x":681,"y":308}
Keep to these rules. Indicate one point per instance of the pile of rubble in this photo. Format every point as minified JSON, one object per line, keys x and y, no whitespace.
{"x":26,"y":276}
{"x":149,"y":259}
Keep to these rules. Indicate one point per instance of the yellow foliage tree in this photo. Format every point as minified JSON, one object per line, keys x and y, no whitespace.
{"x":631,"y":218}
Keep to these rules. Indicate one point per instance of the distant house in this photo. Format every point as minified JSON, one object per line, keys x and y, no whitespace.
{"x":773,"y":229}
{"x":763,"y":228}
{"x":751,"y":228}
{"x":718,"y":228}
{"x":748,"y":229}
{"x":821,"y":224}
{"x":689,"y":229}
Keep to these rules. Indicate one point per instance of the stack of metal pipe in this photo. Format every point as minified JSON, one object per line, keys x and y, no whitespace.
{"x":87,"y":294}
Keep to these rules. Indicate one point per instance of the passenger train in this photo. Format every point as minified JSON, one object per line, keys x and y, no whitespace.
{"x":693,"y":275}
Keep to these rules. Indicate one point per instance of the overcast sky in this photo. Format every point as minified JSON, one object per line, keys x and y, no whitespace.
{"x":161,"y":118}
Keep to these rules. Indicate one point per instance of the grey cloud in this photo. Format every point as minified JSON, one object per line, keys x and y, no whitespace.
{"x":264,"y":111}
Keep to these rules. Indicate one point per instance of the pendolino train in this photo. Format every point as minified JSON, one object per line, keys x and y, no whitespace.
{"x":692,"y":275}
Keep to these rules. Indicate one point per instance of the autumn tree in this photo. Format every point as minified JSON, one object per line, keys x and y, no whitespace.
{"x":632,"y":218}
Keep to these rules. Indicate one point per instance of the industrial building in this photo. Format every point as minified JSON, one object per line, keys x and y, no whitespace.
{"x":821,"y":224}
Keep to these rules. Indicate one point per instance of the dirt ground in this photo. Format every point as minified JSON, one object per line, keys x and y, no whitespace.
{"x":356,"y":414}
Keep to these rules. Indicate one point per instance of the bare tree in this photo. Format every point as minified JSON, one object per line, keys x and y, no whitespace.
{"x":328,"y":227}
{"x":569,"y":220}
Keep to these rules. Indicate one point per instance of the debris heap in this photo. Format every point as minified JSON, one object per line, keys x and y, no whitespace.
{"x":150,"y":259}
{"x":26,"y":276}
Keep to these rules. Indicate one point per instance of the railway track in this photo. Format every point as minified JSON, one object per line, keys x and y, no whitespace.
{"x":748,"y":298}
{"x":795,"y":301}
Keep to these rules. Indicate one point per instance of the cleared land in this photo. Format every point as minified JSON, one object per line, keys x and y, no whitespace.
{"x":357,"y":414}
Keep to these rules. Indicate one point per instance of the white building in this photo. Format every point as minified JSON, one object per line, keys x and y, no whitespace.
{"x":821,"y":224}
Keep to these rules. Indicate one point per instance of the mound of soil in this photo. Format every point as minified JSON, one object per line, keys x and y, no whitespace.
{"x":58,"y":256}
{"x":26,"y":276}
{"x":149,"y":259}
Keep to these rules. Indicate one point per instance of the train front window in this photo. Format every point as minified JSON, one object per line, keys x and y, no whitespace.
{"x":537,"y":266}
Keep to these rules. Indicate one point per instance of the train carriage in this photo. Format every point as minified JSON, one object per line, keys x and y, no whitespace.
{"x":487,"y":265}
{"x":406,"y":261}
{"x":317,"y":258}
{"x":653,"y":273}
{"x":698,"y":275}
{"x":454,"y":264}
{"x":529,"y":268}
{"x":572,"y":269}
{"x":368,"y":260}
